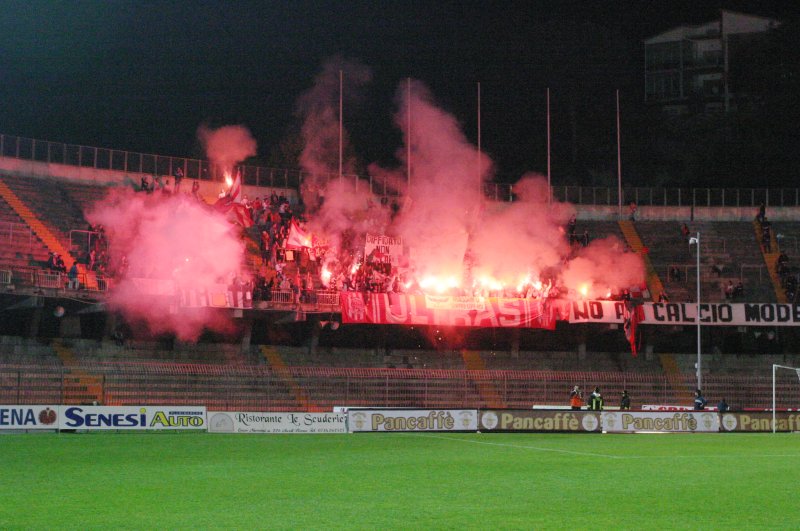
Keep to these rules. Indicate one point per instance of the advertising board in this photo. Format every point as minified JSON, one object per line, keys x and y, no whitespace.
{"x":132,"y":418}
{"x":29,"y":417}
{"x":272,"y":422}
{"x":760,"y":421}
{"x":412,"y":420}
{"x":659,"y":421}
{"x":539,"y":420}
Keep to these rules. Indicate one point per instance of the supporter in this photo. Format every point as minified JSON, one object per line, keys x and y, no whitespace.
{"x":699,"y":400}
{"x":585,"y":238}
{"x":723,"y":407}
{"x":675,"y":274}
{"x":632,"y":209}
{"x":144,"y":185}
{"x":625,"y":400}
{"x":571,"y":228}
{"x":178,"y":175}
{"x":738,"y":291}
{"x":52,"y":263}
{"x":596,"y":400}
{"x":72,"y":276}
{"x":196,"y":189}
{"x":716,"y":268}
{"x":60,"y":265}
{"x":729,"y":290}
{"x":685,"y":232}
{"x":576,"y":398}
{"x":762,"y":213}
{"x":663,"y":297}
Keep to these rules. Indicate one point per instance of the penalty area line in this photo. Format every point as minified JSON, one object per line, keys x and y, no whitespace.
{"x":520,"y":446}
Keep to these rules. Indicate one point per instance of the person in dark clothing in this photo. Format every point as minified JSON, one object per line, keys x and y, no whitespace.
{"x":596,"y":400}
{"x":625,"y":401}
{"x":723,"y":406}
{"x":699,"y":401}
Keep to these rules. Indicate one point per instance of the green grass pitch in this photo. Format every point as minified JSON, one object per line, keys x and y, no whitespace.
{"x":399,"y":481}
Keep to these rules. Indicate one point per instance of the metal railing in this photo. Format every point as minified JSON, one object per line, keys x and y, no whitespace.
{"x":50,"y":279}
{"x":5,"y":276}
{"x":266,"y":389}
{"x":165,"y":165}
{"x":9,"y":230}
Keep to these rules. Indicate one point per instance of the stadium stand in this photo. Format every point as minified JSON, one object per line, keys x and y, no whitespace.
{"x":294,"y":366}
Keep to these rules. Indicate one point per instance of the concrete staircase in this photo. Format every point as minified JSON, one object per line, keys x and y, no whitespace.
{"x":280,"y":368}
{"x":80,"y":387}
{"x":771,"y":259}
{"x":474,"y":362}
{"x":654,"y":284}
{"x":39,"y":228}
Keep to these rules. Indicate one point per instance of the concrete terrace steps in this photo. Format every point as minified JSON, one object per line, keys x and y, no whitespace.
{"x":45,"y":235}
{"x":654,"y":284}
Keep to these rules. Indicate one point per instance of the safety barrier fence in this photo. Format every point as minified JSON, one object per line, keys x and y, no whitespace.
{"x":164,"y":165}
{"x":12,"y":233}
{"x":42,"y":278}
{"x":261,"y":388}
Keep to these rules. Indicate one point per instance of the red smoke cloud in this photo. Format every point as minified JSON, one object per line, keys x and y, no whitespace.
{"x":454,"y":235}
{"x":228,"y":145}
{"x":172,"y":243}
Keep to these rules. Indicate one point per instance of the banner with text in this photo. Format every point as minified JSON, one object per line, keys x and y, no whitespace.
{"x":412,"y":420}
{"x":760,"y":421}
{"x":379,"y":249}
{"x":403,"y":309}
{"x":680,"y":313}
{"x":659,"y":422}
{"x":132,"y":418}
{"x":252,"y":422}
{"x":539,"y":420}
{"x":29,"y":417}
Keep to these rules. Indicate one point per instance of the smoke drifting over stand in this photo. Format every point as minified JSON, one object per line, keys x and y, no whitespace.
{"x":228,"y":145}
{"x":454,"y":237}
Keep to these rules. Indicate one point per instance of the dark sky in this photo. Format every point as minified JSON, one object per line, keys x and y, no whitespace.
{"x":142,"y":75}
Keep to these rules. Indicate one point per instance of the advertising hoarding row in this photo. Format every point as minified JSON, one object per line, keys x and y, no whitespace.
{"x":130,"y":418}
{"x":55,"y":417}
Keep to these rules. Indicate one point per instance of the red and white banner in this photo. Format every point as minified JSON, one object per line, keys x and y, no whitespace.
{"x":394,"y":308}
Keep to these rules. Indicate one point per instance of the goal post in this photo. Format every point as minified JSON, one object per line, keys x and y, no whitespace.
{"x":775,"y":368}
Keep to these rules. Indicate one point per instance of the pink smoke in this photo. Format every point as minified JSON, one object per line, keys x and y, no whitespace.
{"x":443,"y":197}
{"x":319,"y":110}
{"x":172,"y":243}
{"x":228,"y":145}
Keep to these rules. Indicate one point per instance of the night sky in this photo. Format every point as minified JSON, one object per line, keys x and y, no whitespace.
{"x":143,"y":75}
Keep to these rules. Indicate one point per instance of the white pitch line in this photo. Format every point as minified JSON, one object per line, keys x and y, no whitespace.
{"x":520,"y":446}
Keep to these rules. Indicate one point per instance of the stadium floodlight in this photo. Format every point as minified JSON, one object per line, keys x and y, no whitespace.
{"x":695,"y":240}
{"x":775,"y":368}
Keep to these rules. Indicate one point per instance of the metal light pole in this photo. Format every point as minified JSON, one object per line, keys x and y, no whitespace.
{"x":696,"y":241}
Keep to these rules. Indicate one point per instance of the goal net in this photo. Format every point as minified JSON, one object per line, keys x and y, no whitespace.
{"x":785,"y":389}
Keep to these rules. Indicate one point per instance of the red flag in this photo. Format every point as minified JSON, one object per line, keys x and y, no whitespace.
{"x":233,"y":202}
{"x":633,"y":315}
{"x":297,"y":237}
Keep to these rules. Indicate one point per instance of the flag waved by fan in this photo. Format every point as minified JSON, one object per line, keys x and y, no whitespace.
{"x":233,"y":204}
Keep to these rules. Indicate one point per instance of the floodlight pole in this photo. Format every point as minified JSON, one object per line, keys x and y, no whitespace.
{"x":698,"y":365}
{"x":774,"y":369}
